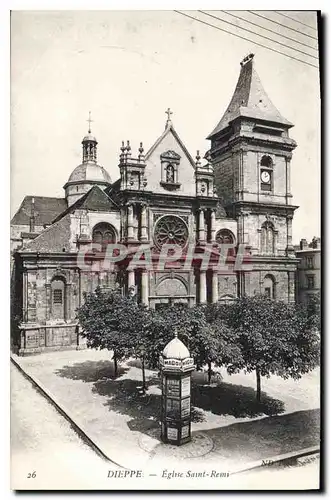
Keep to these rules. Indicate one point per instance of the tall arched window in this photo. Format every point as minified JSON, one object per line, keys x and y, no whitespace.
{"x":269,"y":286}
{"x":58,"y":297}
{"x":267,"y":238}
{"x":104,"y":234}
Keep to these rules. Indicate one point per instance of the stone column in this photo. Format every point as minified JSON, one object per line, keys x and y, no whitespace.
{"x":144,"y":236}
{"x":48,"y":300}
{"x":212,"y":226}
{"x":215,"y":287}
{"x":288,"y":180}
{"x":259,"y":231}
{"x":131,"y":279}
{"x":25,"y":296}
{"x":144,"y":287}
{"x":68,"y":301}
{"x":289,"y":246}
{"x":203,"y":287}
{"x":201,"y":226}
{"x":130,"y":222}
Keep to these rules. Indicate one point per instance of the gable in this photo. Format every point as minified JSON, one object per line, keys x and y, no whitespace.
{"x":97,"y":199}
{"x":94,"y":200}
{"x":169,"y":149}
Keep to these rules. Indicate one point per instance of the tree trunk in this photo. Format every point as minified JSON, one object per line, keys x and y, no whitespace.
{"x":143,"y":372}
{"x":115,"y":364}
{"x":209,"y":372}
{"x":258,"y":385}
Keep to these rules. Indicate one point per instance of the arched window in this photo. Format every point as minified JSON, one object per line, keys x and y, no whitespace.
{"x":266,"y":161}
{"x":266,"y":165}
{"x":58,"y":297}
{"x":104,"y":234}
{"x":267,"y":238}
{"x":225,"y":237}
{"x":170,"y":173}
{"x":269,"y":286}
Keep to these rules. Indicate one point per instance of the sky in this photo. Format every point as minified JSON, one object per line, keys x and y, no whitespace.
{"x":127,"y":68}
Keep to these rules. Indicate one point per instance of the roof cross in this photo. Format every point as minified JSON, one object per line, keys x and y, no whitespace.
{"x":169,"y":113}
{"x":89,"y":122}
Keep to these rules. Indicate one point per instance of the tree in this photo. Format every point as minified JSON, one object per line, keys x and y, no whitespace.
{"x":275,"y":338}
{"x":191,"y":327}
{"x":160,"y":330}
{"x":112,"y":321}
{"x":208,"y":342}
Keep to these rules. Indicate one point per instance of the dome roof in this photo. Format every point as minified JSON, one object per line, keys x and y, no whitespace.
{"x":89,"y":171}
{"x":176,"y":349}
{"x":89,"y":137}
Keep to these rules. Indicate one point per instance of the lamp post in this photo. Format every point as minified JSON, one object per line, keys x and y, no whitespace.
{"x":176,"y":366}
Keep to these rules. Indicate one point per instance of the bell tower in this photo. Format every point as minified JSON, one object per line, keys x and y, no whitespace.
{"x":251,"y":154}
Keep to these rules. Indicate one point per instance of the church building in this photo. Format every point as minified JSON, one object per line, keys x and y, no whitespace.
{"x":238,"y":194}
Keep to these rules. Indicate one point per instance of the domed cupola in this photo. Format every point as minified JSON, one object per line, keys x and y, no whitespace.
{"x":88,"y":173}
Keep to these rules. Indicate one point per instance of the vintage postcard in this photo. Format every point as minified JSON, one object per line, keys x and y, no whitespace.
{"x":165,"y":250}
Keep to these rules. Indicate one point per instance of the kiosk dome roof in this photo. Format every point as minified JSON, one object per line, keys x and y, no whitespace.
{"x":175,"y":349}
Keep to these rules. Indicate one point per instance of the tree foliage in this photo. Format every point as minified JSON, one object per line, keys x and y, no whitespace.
{"x":113,"y":321}
{"x":275,"y":337}
{"x":252,"y":333}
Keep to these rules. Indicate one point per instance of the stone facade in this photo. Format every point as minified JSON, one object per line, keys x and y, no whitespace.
{"x":161,"y":197}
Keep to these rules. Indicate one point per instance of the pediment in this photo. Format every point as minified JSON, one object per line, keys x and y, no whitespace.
{"x":170,"y":155}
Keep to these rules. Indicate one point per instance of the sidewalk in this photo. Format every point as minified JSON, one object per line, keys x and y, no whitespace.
{"x":124,"y":427}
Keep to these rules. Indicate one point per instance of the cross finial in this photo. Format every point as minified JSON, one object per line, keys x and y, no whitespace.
{"x":89,"y":122}
{"x":169,"y":113}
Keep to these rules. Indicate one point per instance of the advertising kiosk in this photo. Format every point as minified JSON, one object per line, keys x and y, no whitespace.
{"x":176,"y":366}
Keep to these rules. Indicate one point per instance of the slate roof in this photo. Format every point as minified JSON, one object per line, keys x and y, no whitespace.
{"x":113,"y":191}
{"x":95,"y":200}
{"x":250,"y":100}
{"x":46,"y":210}
{"x":55,"y":238}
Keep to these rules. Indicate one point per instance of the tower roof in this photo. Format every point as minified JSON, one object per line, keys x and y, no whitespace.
{"x":250,"y":100}
{"x":89,"y":138}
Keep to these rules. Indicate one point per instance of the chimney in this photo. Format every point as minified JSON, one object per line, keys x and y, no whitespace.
{"x":315,"y":243}
{"x":303,"y":244}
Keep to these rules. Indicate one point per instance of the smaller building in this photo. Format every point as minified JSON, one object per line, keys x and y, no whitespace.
{"x":309,"y":269}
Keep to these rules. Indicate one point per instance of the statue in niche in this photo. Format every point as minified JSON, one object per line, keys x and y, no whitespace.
{"x":170,"y":173}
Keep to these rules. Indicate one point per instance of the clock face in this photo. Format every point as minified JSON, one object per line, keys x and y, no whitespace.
{"x":265,"y":176}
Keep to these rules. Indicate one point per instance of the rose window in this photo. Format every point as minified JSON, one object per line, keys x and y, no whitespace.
{"x":170,"y":230}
